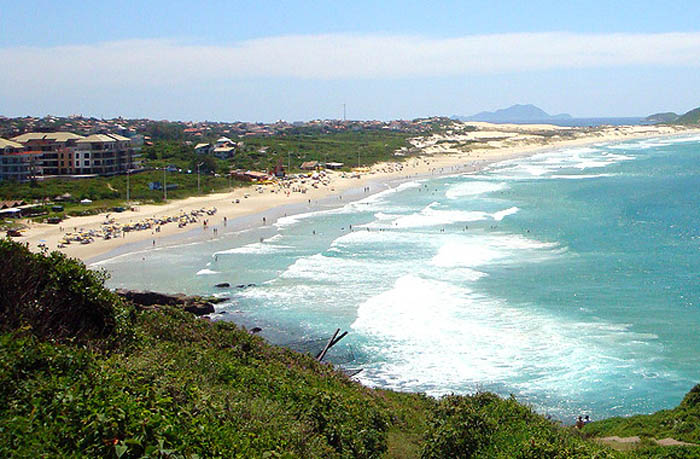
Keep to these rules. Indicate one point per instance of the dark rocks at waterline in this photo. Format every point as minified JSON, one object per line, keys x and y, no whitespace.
{"x":200,"y":309}
{"x":217,"y":300}
{"x":255,"y":330}
{"x":196,"y":305}
{"x":148,"y":298}
{"x":244,"y":285}
{"x":223,"y":285}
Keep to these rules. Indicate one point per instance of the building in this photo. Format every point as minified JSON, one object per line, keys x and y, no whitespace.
{"x":310,"y":165}
{"x":68,"y":154}
{"x":103,"y":154}
{"x":224,"y":148}
{"x":203,"y":148}
{"x":17,"y":163}
{"x":224,"y":152}
{"x":56,"y":149}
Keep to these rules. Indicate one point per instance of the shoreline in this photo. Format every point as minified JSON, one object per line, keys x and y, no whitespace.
{"x":275,"y":203}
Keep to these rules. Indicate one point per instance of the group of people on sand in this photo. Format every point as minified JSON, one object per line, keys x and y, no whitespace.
{"x":111,"y":229}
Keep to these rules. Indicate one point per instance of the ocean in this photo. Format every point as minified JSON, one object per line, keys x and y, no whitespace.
{"x":570,"y":279}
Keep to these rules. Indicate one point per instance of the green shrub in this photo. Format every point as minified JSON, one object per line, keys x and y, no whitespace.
{"x":57,"y":297}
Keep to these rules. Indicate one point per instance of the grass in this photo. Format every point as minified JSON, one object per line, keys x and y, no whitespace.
{"x":83,"y":374}
{"x":351,"y":148}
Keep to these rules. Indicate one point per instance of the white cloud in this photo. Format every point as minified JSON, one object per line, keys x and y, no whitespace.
{"x":143,"y":63}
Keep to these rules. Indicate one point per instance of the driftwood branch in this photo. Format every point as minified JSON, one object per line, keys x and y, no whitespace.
{"x":329,"y":344}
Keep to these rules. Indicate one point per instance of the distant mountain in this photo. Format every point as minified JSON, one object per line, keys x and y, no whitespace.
{"x":664,"y":117}
{"x":515,"y":113}
{"x":691,"y":117}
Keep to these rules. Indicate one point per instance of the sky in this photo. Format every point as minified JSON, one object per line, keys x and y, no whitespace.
{"x":300,"y":60}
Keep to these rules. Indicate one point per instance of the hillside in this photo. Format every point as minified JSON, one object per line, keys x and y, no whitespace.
{"x":664,"y":117}
{"x":681,"y":423}
{"x":515,"y":113}
{"x":691,"y":117}
{"x":84,"y":374}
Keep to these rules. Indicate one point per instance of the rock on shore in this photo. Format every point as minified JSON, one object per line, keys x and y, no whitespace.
{"x":197,"y":305}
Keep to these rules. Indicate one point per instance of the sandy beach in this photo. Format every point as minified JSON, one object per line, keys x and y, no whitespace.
{"x":466,"y":147}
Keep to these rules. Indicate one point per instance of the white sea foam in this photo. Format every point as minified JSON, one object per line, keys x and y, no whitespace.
{"x":206,"y":271}
{"x":320,"y":267}
{"x":473,"y":188}
{"x":255,"y":248}
{"x":580,"y":176}
{"x":408,"y":186}
{"x":481,"y":249}
{"x":436,"y":337}
{"x":552,"y":165}
{"x":500,"y":215}
{"x":430,"y":216}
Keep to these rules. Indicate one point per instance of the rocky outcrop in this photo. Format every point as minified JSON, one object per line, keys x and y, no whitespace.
{"x":200,"y":309}
{"x":197,"y":305}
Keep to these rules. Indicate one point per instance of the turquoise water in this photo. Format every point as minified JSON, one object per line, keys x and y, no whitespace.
{"x":570,"y":279}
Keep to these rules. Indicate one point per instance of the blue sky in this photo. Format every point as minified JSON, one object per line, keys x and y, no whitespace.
{"x":262,"y":61}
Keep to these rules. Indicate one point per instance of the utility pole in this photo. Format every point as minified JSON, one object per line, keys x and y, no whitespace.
{"x":344,"y":113}
{"x":198,"y":176}
{"x":165,"y":184}
{"x":127,"y":187}
{"x":289,"y":161}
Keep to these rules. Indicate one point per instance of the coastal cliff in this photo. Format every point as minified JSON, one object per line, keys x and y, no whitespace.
{"x":86,"y":372}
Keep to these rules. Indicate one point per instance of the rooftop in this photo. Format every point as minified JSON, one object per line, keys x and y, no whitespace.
{"x":97,"y":138}
{"x":55,"y":136}
{"x":4,"y":143}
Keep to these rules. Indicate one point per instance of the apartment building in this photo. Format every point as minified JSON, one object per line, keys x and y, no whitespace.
{"x":68,"y":154}
{"x":56,"y":149}
{"x":16,"y":161}
{"x":104,"y":154}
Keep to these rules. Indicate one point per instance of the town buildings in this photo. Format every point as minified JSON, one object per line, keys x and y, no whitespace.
{"x":59,"y":154}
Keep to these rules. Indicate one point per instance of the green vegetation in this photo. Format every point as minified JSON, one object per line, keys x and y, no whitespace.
{"x":664,"y":117}
{"x":84,"y":374}
{"x":369,"y":147}
{"x":691,"y":117}
{"x":681,"y":423}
